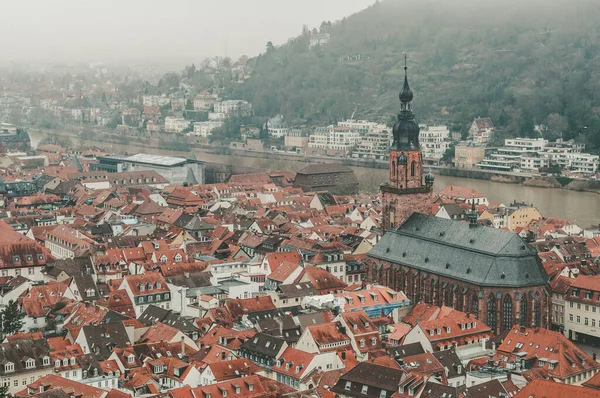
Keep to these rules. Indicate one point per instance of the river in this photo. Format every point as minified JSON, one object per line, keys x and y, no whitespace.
{"x":581,"y":207}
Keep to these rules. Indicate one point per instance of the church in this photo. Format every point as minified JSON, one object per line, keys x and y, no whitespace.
{"x":491,"y":273}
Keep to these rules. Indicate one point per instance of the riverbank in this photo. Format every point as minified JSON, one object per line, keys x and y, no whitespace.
{"x":581,"y":207}
{"x":190,"y":145}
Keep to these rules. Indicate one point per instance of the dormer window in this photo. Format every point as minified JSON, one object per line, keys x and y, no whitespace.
{"x":57,"y":363}
{"x":431,"y":332}
{"x":73,"y":361}
{"x":373,"y":341}
{"x":40,"y":257}
{"x":65,"y":362}
{"x":362,"y":343}
{"x":448,"y":330}
{"x":29,"y":257}
{"x":16,"y":259}
{"x":130,"y":359}
{"x":438,"y":331}
{"x":158,"y":285}
{"x":9,"y":367}
{"x":30,"y":363}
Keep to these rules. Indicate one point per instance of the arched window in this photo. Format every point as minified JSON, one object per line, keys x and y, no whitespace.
{"x":412,"y":168}
{"x":536,"y":313}
{"x":448,"y":296}
{"x":523,"y":311}
{"x":491,"y":313}
{"x":507,"y":313}
{"x":475,"y":305}
{"x":393,"y":168}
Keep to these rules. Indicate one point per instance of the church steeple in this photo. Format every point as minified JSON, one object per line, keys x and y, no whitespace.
{"x":406,"y":94}
{"x":407,"y":191}
{"x":406,"y":130}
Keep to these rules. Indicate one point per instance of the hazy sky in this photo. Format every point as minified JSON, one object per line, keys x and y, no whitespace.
{"x":113,"y":30}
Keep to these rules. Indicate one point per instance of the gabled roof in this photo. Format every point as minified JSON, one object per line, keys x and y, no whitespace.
{"x":551,"y":389}
{"x":365,"y":373}
{"x":264,"y":344}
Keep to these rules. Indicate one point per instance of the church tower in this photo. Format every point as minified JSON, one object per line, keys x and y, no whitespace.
{"x":407,"y":191}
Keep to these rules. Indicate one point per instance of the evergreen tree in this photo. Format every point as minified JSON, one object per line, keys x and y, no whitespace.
{"x":12,"y":318}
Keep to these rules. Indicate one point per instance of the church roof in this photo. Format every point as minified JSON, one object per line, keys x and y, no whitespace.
{"x":479,"y":255}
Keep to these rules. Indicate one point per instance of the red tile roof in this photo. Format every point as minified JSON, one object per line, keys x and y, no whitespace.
{"x":293,"y":362}
{"x":52,"y":382}
{"x":551,"y":389}
{"x":552,"y":351}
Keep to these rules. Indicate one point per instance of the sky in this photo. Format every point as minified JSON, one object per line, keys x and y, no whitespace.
{"x":167,"y":31}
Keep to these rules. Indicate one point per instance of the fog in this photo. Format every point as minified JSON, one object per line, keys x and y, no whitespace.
{"x":150,"y":31}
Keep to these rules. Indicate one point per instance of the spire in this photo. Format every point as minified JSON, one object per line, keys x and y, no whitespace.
{"x":406,"y":94}
{"x":406,"y":130}
{"x":473,"y":216}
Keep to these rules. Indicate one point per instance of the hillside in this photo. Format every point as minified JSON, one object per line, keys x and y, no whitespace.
{"x":519,"y":62}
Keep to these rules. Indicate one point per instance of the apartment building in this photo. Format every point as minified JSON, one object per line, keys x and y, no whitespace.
{"x":434,"y":140}
{"x":582,"y":309}
{"x":176,"y":124}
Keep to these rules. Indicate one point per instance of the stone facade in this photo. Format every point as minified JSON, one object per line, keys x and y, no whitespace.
{"x":399,"y":204}
{"x":499,"y":308}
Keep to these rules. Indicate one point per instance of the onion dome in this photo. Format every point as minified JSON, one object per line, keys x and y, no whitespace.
{"x":429,"y":178}
{"x":406,"y":94}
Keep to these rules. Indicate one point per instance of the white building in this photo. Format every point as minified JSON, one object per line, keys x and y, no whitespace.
{"x":434,"y":140}
{"x":375,"y":144}
{"x":334,"y":137}
{"x":243,"y":108}
{"x":176,"y":124}
{"x":529,"y":154}
{"x":204,"y":129}
{"x":482,"y":129}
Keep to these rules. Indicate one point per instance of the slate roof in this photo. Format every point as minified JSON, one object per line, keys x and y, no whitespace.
{"x":19,"y":351}
{"x":379,"y":377}
{"x":154,"y":314}
{"x":480,"y":255}
{"x":406,"y":350}
{"x":264,"y":344}
{"x":102,"y":338}
{"x":82,"y":270}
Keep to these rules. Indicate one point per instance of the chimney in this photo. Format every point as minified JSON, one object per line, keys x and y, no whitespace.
{"x":223,"y":355}
{"x":182,"y":346}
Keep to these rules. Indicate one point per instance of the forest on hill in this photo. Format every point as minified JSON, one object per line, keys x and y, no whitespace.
{"x":519,"y":62}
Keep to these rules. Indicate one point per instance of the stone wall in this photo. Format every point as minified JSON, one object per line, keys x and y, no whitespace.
{"x":424,"y":287}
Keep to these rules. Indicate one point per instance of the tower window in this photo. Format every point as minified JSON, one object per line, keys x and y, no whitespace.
{"x":412,"y":168}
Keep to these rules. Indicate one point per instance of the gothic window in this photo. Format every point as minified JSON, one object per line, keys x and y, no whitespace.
{"x":491,"y":313}
{"x":507,"y":313}
{"x":475,"y":305}
{"x":536,"y":313}
{"x":412,"y":168}
{"x":393,"y":168}
{"x":459,"y":300}
{"x":523,"y":320}
{"x":448,"y":299}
